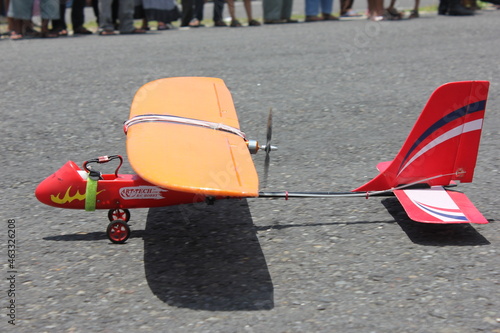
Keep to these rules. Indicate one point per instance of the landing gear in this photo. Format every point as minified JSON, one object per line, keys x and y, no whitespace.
{"x":119,"y":214}
{"x":118,"y":231}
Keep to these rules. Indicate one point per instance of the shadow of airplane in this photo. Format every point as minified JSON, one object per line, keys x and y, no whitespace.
{"x":431,"y":234}
{"x":207,"y":257}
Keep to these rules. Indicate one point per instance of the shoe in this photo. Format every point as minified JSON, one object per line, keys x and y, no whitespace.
{"x":134,"y":32}
{"x":274,"y":21}
{"x":254,"y":23}
{"x":460,"y":10}
{"x":220,"y":24}
{"x":291,"y":21}
{"x":330,"y":17}
{"x":235,"y":24}
{"x":313,"y":19}
{"x":81,"y":31}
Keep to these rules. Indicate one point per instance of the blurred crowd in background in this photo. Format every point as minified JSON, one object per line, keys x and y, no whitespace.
{"x":136,"y":16}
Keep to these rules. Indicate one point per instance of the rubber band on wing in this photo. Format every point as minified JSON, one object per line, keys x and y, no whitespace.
{"x":181,"y":120}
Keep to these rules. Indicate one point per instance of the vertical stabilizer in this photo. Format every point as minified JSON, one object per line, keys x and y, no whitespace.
{"x":444,"y":142}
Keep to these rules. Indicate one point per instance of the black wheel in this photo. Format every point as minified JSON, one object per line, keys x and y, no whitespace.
{"x":118,"y":231}
{"x":118,"y":214}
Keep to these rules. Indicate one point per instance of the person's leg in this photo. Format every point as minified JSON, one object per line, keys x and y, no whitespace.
{"x":187,"y":12}
{"x":326,"y":7}
{"x":49,"y":10}
{"x":95,"y":7}
{"x":286,"y":9}
{"x":218,"y":9}
{"x":312,"y":8}
{"x":198,"y":9}
{"x":105,"y":16}
{"x":77,"y":14}
{"x":248,"y":9}
{"x":271,"y":10}
{"x":230,"y":7}
{"x":59,"y":24}
{"x":126,"y":16}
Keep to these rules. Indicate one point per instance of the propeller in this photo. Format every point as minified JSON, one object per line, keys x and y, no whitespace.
{"x":268,"y":147}
{"x":253,"y":146}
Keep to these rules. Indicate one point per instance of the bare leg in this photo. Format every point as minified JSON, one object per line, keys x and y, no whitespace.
{"x":230,"y":7}
{"x":248,"y":9}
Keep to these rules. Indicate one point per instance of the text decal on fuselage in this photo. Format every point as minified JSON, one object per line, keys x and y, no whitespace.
{"x":142,"y":192}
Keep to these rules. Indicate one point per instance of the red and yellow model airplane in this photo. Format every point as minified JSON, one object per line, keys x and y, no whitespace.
{"x":185,"y":144}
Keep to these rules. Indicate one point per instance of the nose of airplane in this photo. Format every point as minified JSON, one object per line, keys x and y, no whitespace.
{"x":45,"y":189}
{"x":64,"y":188}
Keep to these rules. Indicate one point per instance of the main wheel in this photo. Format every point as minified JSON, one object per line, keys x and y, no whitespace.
{"x":118,"y":214}
{"x":118,"y":231}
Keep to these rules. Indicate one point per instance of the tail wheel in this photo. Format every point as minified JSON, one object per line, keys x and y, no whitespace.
{"x":118,"y":231}
{"x":119,"y":214}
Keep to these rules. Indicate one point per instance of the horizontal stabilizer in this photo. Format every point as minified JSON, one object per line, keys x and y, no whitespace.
{"x":438,"y":205}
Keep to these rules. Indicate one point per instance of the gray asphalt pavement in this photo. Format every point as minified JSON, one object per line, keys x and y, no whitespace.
{"x":344,"y":97}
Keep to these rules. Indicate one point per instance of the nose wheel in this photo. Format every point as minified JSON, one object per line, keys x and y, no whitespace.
{"x":118,"y":230}
{"x":119,"y":214}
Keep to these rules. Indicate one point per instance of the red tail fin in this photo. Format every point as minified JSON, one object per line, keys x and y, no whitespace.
{"x":443,"y":144}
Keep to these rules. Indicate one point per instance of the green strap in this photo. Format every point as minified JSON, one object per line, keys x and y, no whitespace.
{"x":90,"y":195}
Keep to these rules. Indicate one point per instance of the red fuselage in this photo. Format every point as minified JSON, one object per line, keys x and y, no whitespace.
{"x":66,"y":188}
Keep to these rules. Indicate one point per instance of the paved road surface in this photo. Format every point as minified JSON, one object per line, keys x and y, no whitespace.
{"x":344,"y":95}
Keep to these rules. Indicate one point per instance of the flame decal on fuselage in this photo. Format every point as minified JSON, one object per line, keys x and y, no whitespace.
{"x":68,"y":198}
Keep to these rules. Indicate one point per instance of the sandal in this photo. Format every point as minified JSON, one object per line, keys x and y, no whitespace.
{"x":254,"y":23}
{"x":195,"y":23}
{"x":235,"y":23}
{"x":220,"y":24}
{"x":15,"y":36}
{"x":107,"y":33}
{"x":414,"y":14}
{"x":392,"y":14}
{"x":49,"y":34}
